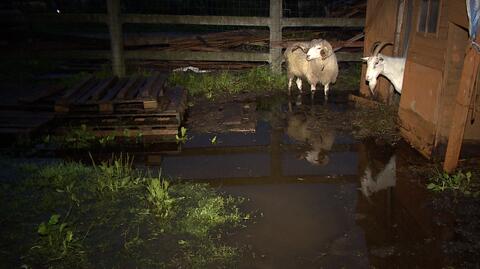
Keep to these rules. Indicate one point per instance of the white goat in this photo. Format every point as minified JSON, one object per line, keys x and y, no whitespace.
{"x":383,"y":180}
{"x":390,"y":67}
{"x":314,"y":61}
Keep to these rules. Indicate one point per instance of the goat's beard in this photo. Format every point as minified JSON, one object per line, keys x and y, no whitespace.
{"x":371,"y":84}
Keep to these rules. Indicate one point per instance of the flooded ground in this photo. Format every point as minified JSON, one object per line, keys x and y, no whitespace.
{"x":322,"y":199}
{"x":321,"y":195}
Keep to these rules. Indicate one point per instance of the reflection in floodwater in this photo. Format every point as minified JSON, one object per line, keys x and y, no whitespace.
{"x":384,"y":179}
{"x":342,"y":203}
{"x":320,"y":140}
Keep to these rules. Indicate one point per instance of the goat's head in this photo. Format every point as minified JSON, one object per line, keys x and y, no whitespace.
{"x":315,"y":49}
{"x":319,"y":48}
{"x":375,"y":64}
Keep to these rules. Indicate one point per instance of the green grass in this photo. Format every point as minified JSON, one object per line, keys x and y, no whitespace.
{"x":349,"y":76}
{"x":211,"y":85}
{"x":458,"y":182}
{"x":68,"y":215}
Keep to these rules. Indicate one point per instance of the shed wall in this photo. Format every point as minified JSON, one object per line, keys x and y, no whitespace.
{"x":423,"y":82}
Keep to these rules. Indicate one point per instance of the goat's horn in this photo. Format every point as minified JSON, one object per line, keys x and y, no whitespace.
{"x":299,"y":46}
{"x":378,"y":46}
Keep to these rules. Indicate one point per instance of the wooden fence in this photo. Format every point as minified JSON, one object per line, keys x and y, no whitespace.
{"x":114,"y":19}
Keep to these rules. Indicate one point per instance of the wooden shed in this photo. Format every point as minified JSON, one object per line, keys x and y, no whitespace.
{"x":433,"y":36}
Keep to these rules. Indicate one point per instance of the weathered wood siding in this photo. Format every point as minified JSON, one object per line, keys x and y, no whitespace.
{"x":423,"y":82}
{"x":457,"y":42}
{"x":431,"y":81}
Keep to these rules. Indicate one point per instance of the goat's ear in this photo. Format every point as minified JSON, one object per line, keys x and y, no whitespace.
{"x":365,"y":59}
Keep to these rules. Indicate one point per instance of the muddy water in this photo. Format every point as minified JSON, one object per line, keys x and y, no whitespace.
{"x":321,"y":199}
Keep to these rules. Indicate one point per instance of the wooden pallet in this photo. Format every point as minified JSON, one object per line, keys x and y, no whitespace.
{"x":162,"y":122}
{"x":112,"y":94}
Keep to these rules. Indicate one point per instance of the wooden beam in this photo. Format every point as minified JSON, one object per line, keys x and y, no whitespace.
{"x":463,"y":101}
{"x":68,"y":18}
{"x":189,"y":19}
{"x":323,"y":22}
{"x":168,"y":55}
{"x":116,"y":37}
{"x":275,"y":27}
{"x":197,"y":56}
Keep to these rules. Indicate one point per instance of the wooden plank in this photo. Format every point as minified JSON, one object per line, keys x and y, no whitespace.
{"x":132,"y":93}
{"x":191,"y":19}
{"x":150,"y":55}
{"x":138,"y":115}
{"x":176,"y":97}
{"x":88,"y":94}
{"x":106,"y":107}
{"x":136,"y":126}
{"x":81,"y":92}
{"x":158,"y":88}
{"x":132,"y":82}
{"x":103,"y":88}
{"x":463,"y":101}
{"x":73,"y":90}
{"x":150,"y":105}
{"x":136,"y":132}
{"x":323,"y":22}
{"x":63,"y":104}
{"x":363,"y":101}
{"x":417,"y":131}
{"x":146,"y":89}
{"x":114,"y":91}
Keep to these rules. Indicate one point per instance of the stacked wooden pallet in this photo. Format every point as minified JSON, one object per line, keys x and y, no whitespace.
{"x":112,"y":94}
{"x":132,"y":106}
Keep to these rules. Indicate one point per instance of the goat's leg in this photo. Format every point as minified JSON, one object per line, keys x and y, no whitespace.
{"x":290,"y":86}
{"x":326,"y":88}
{"x":313,"y":88}
{"x":299,"y":84}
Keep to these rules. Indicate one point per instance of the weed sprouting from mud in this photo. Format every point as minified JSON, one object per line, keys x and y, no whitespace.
{"x":110,"y":215}
{"x":57,"y":245}
{"x":182,"y":136}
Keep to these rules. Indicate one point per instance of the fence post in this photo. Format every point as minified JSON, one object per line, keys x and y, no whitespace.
{"x":275,"y":35}
{"x":116,"y":37}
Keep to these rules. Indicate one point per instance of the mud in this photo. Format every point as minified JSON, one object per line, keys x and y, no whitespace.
{"x":327,"y":189}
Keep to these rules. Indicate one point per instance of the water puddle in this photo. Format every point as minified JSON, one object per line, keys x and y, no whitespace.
{"x":321,"y":198}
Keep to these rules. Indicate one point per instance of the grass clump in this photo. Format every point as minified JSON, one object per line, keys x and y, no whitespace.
{"x":112,"y":216}
{"x":457,"y":182}
{"x":210,"y":85}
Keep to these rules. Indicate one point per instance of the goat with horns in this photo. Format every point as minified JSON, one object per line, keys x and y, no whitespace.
{"x":390,"y":67}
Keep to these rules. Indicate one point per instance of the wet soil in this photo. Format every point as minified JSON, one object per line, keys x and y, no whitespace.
{"x":328,"y":191}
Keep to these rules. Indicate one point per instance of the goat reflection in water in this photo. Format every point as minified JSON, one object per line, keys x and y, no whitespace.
{"x":319,"y":140}
{"x":384,"y":179}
